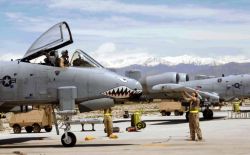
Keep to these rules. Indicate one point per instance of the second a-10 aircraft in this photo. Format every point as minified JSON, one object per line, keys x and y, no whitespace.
{"x":87,"y":84}
{"x":212,"y":91}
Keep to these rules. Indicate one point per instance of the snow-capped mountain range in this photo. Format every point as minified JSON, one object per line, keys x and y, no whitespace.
{"x":191,"y":65}
{"x":186,"y":59}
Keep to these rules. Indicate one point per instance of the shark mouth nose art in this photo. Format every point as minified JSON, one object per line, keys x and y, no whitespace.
{"x":121,"y":92}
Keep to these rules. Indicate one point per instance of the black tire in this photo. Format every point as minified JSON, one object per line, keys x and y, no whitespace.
{"x":205,"y":116}
{"x":208,"y":114}
{"x":16,"y":128}
{"x":29,"y":129}
{"x":70,"y":142}
{"x":187,"y":116}
{"x":163,"y":113}
{"x":139,"y":125}
{"x":116,"y":129}
{"x":48,"y":128}
{"x":2,"y":116}
{"x":36,"y":128}
{"x":132,"y":121}
{"x":143,"y":124}
{"x":126,"y":116}
{"x":181,"y":113}
{"x":176,"y":113}
{"x":168,"y":113}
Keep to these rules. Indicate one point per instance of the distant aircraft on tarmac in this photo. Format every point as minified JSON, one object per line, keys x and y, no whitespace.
{"x":90,"y":86}
{"x":212,"y":90}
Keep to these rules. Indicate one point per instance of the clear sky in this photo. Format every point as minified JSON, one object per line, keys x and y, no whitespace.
{"x":119,"y":32}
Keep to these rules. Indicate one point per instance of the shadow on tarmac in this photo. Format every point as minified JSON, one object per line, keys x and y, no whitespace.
{"x":18,"y":140}
{"x":169,"y":121}
{"x":179,"y":121}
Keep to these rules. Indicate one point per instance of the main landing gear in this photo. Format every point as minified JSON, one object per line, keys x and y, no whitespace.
{"x":208,"y":114}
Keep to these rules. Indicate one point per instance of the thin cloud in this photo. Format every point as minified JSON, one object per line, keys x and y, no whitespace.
{"x":184,"y":12}
{"x":115,"y":6}
{"x":30,"y":23}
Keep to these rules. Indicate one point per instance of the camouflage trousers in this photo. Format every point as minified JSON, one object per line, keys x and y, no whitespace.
{"x":1,"y":125}
{"x":108,"y":123}
{"x":194,"y":126}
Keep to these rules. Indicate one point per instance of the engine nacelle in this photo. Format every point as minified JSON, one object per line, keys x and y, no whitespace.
{"x":133,"y":74}
{"x":150,"y":81}
{"x":97,"y":104}
{"x":183,"y":77}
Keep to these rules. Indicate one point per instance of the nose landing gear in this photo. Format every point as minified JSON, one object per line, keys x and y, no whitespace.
{"x":68,"y":139}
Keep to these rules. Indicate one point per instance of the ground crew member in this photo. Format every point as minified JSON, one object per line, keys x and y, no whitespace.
{"x":108,"y":123}
{"x":236,"y":105}
{"x":64,"y":60}
{"x":194,"y":106}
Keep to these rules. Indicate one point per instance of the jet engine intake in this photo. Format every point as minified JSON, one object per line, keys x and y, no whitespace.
{"x":183,"y":77}
{"x":169,"y":77}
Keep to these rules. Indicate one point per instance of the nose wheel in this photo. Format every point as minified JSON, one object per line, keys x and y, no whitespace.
{"x":68,"y":139}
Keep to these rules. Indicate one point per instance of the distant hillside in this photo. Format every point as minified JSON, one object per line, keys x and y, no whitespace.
{"x":191,"y":69}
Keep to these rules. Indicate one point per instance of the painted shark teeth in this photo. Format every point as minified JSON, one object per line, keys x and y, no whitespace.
{"x":121,"y":92}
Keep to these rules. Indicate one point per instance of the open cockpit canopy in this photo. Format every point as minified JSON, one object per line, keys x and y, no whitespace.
{"x":56,"y":37}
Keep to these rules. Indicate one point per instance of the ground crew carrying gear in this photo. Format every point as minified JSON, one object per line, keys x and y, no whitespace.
{"x":136,"y":121}
{"x":236,"y":106}
{"x":108,"y":123}
{"x":194,"y":124}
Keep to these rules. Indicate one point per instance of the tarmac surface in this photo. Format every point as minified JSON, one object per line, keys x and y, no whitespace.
{"x":163,"y":135}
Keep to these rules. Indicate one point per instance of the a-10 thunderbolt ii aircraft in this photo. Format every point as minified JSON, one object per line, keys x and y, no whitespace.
{"x":92,"y":87}
{"x":212,"y":91}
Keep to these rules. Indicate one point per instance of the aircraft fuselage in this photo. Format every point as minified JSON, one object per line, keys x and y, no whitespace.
{"x":27,"y":83}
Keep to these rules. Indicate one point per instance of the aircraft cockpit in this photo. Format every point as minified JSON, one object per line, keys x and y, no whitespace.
{"x":49,"y":46}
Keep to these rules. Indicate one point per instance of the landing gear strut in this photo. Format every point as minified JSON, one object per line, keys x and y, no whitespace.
{"x":67,"y":96}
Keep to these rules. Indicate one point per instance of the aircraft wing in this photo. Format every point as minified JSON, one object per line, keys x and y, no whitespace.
{"x":178,"y":88}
